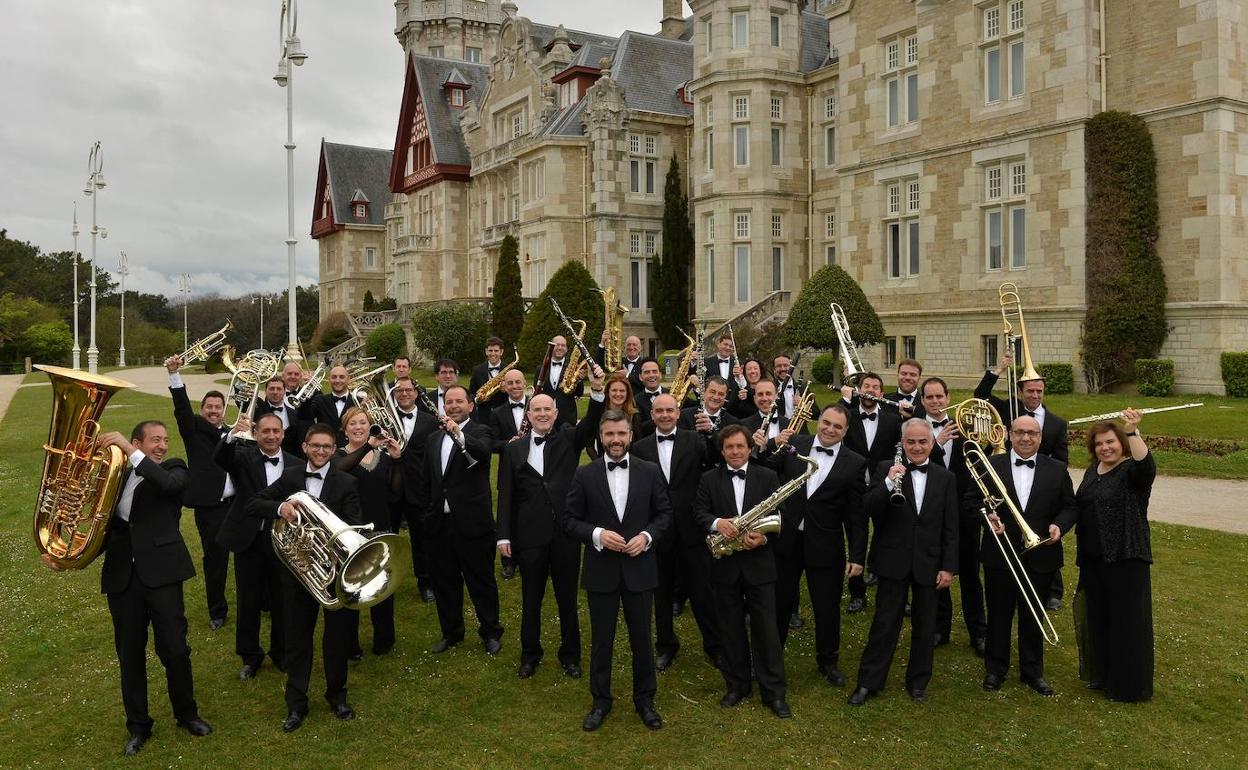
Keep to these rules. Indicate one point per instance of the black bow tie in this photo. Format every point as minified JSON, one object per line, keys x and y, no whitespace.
{"x":668,"y":437}
{"x":1029,"y":414}
{"x":310,"y":474}
{"x":621,"y":464}
{"x":440,"y":395}
{"x":920,"y":468}
{"x":653,"y":393}
{"x":826,"y":450}
{"x":273,"y":460}
{"x":775,"y":418}
{"x":738,"y":473}
{"x":340,"y":399}
{"x":940,"y":423}
{"x":870,"y":416}
{"x":493,"y":370}
{"x":556,"y":363}
{"x":515,"y":405}
{"x":539,"y":440}
{"x":1028,"y":463}
{"x":407,"y":415}
{"x":277,"y":409}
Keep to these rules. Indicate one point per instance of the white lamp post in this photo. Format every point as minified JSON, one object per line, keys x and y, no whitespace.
{"x":77,"y":352}
{"x":184,"y":288}
{"x":95,"y":183}
{"x":122,"y":270}
{"x":263,"y":299}
{"x":292,"y":53}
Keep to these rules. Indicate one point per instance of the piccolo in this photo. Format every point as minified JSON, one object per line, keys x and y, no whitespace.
{"x":1116,"y":415}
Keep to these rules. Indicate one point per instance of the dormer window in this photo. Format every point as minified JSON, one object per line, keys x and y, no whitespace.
{"x":360,"y":211}
{"x":457,"y":97}
{"x":327,"y":204}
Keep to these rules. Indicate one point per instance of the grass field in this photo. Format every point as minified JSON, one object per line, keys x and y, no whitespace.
{"x":60,"y":700}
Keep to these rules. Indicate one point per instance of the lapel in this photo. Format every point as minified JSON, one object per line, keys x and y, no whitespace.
{"x":633,"y":500}
{"x":600,"y":475}
{"x":838,"y":464}
{"x":1008,"y":480}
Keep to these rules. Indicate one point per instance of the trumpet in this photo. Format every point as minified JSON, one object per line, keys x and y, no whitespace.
{"x":1116,"y":415}
{"x":803,"y":409}
{"x":897,"y":495}
{"x":310,"y":388}
{"x":202,"y":349}
{"x":1011,"y":314}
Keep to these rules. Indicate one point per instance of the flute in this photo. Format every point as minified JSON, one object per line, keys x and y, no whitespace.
{"x":1116,"y":415}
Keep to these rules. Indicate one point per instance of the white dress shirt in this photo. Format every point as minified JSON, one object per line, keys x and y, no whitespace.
{"x":314,"y":483}
{"x":786,"y":392}
{"x":1039,"y":415}
{"x":665,"y":452}
{"x":517,"y":415}
{"x":738,"y":494}
{"x":408,"y":425}
{"x":1023,"y":479}
{"x":273,"y":472}
{"x":772,"y":428}
{"x":339,"y":406}
{"x":725,"y":368}
{"x":617,"y":482}
{"x":825,"y":461}
{"x":441,"y":401}
{"x":280,"y":411}
{"x":931,"y":422}
{"x":537,"y":454}
{"x":448,"y":444}
{"x":918,"y":482}
{"x":870,"y":427}
{"x":556,"y":373}
{"x":126,"y":500}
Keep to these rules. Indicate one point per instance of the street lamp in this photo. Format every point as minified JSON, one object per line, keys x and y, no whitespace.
{"x":95,"y":183}
{"x":122,"y":270}
{"x":263,"y":299}
{"x":184,"y":288}
{"x":77,"y":350}
{"x":292,"y":53}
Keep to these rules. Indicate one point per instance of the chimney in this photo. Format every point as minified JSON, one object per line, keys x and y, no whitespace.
{"x":673,"y":24}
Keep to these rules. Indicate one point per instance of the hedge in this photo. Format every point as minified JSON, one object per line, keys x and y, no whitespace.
{"x":809,"y":324}
{"x":1059,"y":379}
{"x":386,"y":343}
{"x":1235,"y":374}
{"x":1154,"y":376}
{"x":574,"y":288}
{"x":823,"y":369}
{"x":456,"y":331}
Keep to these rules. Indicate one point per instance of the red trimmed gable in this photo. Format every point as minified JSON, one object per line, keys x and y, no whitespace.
{"x":323,"y":222}
{"x":415,"y":164}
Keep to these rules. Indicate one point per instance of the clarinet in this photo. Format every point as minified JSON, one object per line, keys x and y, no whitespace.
{"x":443,"y":421}
{"x":897,"y":496}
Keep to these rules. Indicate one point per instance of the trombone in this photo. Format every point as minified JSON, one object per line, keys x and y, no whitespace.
{"x":854,"y":370}
{"x":995,"y":497}
{"x":1011,"y":315}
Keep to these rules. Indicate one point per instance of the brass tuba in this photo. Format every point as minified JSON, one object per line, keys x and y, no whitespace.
{"x":614,"y":329}
{"x":764,"y":517}
{"x":81,"y":481}
{"x":202,"y":349}
{"x":335,"y":563}
{"x":487,"y":391}
{"x":1011,"y":315}
{"x":369,"y":392}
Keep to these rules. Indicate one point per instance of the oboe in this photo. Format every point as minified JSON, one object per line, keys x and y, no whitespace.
{"x":897,"y":496}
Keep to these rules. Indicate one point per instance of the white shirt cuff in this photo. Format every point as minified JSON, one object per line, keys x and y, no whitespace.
{"x":649,"y":539}
{"x":599,"y":397}
{"x":597,"y":538}
{"x":136,"y":457}
{"x":503,"y":542}
{"x":888,"y":484}
{"x":714,"y":525}
{"x":175,"y":380}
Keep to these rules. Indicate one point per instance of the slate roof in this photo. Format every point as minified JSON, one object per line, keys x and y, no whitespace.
{"x":542,"y":34}
{"x":444,"y":134}
{"x":651,"y":69}
{"x":814,"y":42}
{"x":591,"y":54}
{"x":566,"y":122}
{"x":352,"y":172}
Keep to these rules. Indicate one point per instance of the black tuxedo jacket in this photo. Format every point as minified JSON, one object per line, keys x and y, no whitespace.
{"x":338,"y":493}
{"x":906,"y":544}
{"x":530,"y":504}
{"x":642,"y":399}
{"x":648,"y":509}
{"x":713,"y":370}
{"x":1052,"y":501}
{"x":152,"y":542}
{"x":292,"y":442}
{"x":716,"y":501}
{"x":245,"y":464}
{"x":480,"y":376}
{"x":688,"y":421}
{"x":916,"y":403}
{"x":689,"y":460}
{"x":887,"y":434}
{"x":200,"y":438}
{"x":634,"y":377}
{"x":1053,"y":440}
{"x":836,"y":506}
{"x":564,"y":402}
{"x":323,"y":408}
{"x":782,"y":410}
{"x":466,"y":490}
{"x":503,"y":424}
{"x":415,"y":487}
{"x":755,"y":421}
{"x":957,"y":465}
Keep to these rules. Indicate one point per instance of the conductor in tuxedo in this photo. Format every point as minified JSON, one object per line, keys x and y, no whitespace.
{"x":327,"y":408}
{"x":145,"y":564}
{"x":1040,"y":488}
{"x":210,"y":491}
{"x":257,"y":571}
{"x":618,"y":507}
{"x":916,"y":552}
{"x":534,"y":473}
{"x":337,"y":491}
{"x":417,"y":425}
{"x":744,"y":582}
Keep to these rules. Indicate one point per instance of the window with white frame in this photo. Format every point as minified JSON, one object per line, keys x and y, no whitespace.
{"x":473,"y":55}
{"x":742,"y":259}
{"x":535,"y":256}
{"x":740,"y":108}
{"x":890,"y":352}
{"x":634,"y":243}
{"x":370,"y":257}
{"x":777,"y":268}
{"x":775,"y":30}
{"x":901,"y":226}
{"x":704,"y":28}
{"x":741,"y":145}
{"x":741,"y":29}
{"x":1003,"y":51}
{"x":829,"y":225}
{"x":708,"y":256}
{"x":777,"y":225}
{"x":517,"y":123}
{"x":642,"y":167}
{"x":638,"y":283}
{"x":901,"y":81}
{"x":436,"y":50}
{"x":777,"y":108}
{"x":651,"y":241}
{"x":1005,"y":215}
{"x":457,"y":97}
{"x":643,"y":242}
{"x":910,"y":347}
{"x":829,"y":107}
{"x":777,"y":146}
{"x":708,"y":228}
{"x":741,"y":226}
{"x":708,"y":133}
{"x":424,"y":214}
{"x":829,"y":146}
{"x":829,"y":254}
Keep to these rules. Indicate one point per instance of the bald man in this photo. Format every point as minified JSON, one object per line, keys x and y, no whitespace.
{"x":630,"y":363}
{"x":328,"y":407}
{"x":565,"y":403}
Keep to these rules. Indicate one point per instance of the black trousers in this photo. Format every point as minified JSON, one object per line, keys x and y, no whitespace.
{"x":695,"y":567}
{"x":301,"y":614}
{"x":890,"y":608}
{"x":216,"y":557}
{"x":132,"y":610}
{"x":761,"y":652}
{"x":604,"y":611}
{"x":826,"y":586}
{"x":1004,"y":599}
{"x":1056,"y":590}
{"x":560,"y":561}
{"x":456,"y":562}
{"x":1120,"y":625}
{"x":970,"y":586}
{"x":381,"y":615}
{"x":857,"y":585}
{"x":257,"y":576}
{"x":400,"y":511}
{"x":665,"y":639}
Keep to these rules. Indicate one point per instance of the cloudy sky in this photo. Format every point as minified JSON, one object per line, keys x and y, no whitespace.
{"x":181,"y":95}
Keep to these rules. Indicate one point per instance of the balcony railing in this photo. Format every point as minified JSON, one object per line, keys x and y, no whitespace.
{"x":404,"y":243}
{"x":497,"y":154}
{"x":363,"y":323}
{"x":495,"y":233}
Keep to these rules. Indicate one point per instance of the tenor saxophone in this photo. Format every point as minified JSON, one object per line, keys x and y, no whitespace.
{"x":764,"y":517}
{"x":487,"y":391}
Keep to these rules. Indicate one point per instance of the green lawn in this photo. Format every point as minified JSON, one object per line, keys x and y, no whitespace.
{"x":60,"y":700}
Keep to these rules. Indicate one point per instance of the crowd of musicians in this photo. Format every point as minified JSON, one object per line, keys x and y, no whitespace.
{"x":886,"y":501}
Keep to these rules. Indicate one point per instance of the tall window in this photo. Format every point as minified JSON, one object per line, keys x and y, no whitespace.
{"x":370,"y":257}
{"x":1003,"y":51}
{"x":741,"y":29}
{"x":890,"y":352}
{"x":777,"y":146}
{"x":829,"y":146}
{"x":741,"y":145}
{"x":642,"y":166}
{"x":708,"y":133}
{"x":901,"y":81}
{"x":639,"y":279}
{"x":829,"y":254}
{"x":704,"y":28}
{"x":775,"y":31}
{"x":1005,"y":215}
{"x":910,"y":347}
{"x":473,"y":55}
{"x":777,"y":268}
{"x":424,"y":214}
{"x":708,"y":254}
{"x":989,"y":344}
{"x":901,"y":225}
{"x":743,"y":272}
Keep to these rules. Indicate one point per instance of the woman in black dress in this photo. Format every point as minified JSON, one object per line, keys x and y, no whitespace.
{"x":373,"y":461}
{"x":1114,"y":558}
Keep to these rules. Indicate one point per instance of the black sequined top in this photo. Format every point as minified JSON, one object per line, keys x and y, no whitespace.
{"x":1113,"y":512}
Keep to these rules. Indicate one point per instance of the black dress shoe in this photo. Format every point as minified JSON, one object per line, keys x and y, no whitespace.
{"x":593,"y":720}
{"x":135,"y":744}
{"x":1053,"y":603}
{"x":343,"y":711}
{"x":664,"y":661}
{"x":356,"y":656}
{"x":573,"y":670}
{"x":1039,"y":685}
{"x":731,"y":698}
{"x":979,"y":644}
{"x":780,"y":708}
{"x":795,"y":621}
{"x":509,"y":571}
{"x":918,"y":694}
{"x":294,"y":720}
{"x":248,"y":671}
{"x":216,"y":624}
{"x":383,"y":649}
{"x":856,"y":604}
{"x":492,"y":646}
{"x":835,"y":677}
{"x":426,"y":595}
{"x":991,"y":682}
{"x":444,"y":644}
{"x":278,"y":664}
{"x":678,"y":608}
{"x":1095,"y":685}
{"x":859,"y":696}
{"x":526,"y":670}
{"x":197,"y":727}
{"x":870,"y":579}
{"x":940,"y":640}
{"x":650,"y":718}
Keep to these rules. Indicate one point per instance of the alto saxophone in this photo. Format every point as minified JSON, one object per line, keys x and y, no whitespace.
{"x":575,"y":368}
{"x":487,"y":391}
{"x":763,"y":517}
{"x":680,"y":380}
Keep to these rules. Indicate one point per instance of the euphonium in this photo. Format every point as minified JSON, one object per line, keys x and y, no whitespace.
{"x":340,"y":567}
{"x":978,"y":421}
{"x":200,"y":350}
{"x":310,"y":388}
{"x":574,"y":367}
{"x":486,"y":391}
{"x":249,"y":378}
{"x":614,"y":328}
{"x":1011,"y":314}
{"x":81,"y":481}
{"x":369,"y":392}
{"x":763,"y":517}
{"x":680,"y":381}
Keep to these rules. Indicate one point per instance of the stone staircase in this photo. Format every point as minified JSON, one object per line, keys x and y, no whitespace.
{"x":773,"y":306}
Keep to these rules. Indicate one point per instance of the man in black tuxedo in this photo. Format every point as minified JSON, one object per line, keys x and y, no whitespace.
{"x":564,"y":402}
{"x":720,"y":363}
{"x":789,"y":390}
{"x":909,"y":372}
{"x":418,"y":426}
{"x":327,"y":408}
{"x":874,"y":433}
{"x":483,"y":373}
{"x":1040,"y":489}
{"x":630,"y":363}
{"x":257,"y":571}
{"x":338,"y":493}
{"x":506,"y":419}
{"x":145,"y":564}
{"x":767,"y":431}
{"x":534,"y":473}
{"x":1053,"y":442}
{"x":294,"y":426}
{"x":446,"y":374}
{"x":818,"y":521}
{"x":743,"y":582}
{"x":209,"y":491}
{"x":711,"y":418}
{"x":459,"y":523}
{"x":681,"y":455}
{"x":618,"y":506}
{"x":651,"y":379}
{"x":916,"y":552}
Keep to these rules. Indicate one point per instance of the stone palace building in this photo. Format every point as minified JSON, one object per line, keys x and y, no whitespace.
{"x":932,"y":148}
